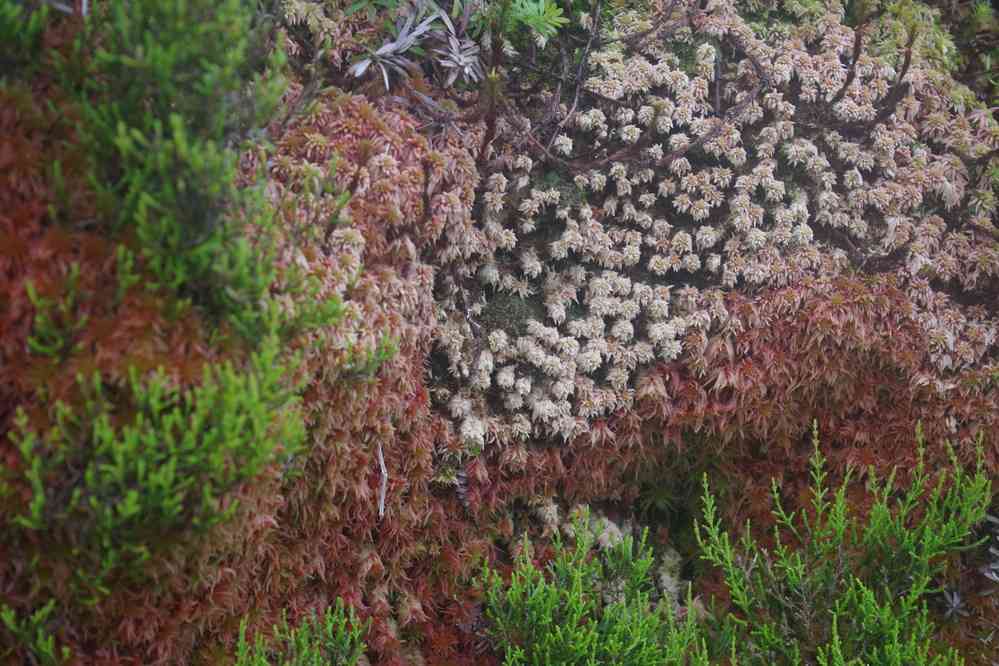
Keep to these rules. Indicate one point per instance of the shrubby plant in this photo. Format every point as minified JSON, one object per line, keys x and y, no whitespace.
{"x":22,"y":31}
{"x":837,"y":587}
{"x":32,"y":633}
{"x":333,"y":638}
{"x":170,"y":92}
{"x":587,"y":609}
{"x":115,"y":482}
{"x":147,"y":331}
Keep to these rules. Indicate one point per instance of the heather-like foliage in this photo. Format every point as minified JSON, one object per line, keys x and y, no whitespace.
{"x":587,"y":609}
{"x":32,"y":633}
{"x":841,"y":588}
{"x":23,"y":32}
{"x":171,"y":90}
{"x":331,"y":639}
{"x":115,"y":482}
{"x":132,"y":418}
{"x":838,"y":587}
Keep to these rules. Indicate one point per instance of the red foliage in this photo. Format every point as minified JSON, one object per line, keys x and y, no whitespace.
{"x":846,"y":353}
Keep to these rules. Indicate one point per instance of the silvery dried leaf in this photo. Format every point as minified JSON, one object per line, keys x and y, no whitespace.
{"x":358,"y":68}
{"x":462,"y":57}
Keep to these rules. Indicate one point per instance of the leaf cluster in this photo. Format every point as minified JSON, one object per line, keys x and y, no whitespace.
{"x":543,"y":17}
{"x":426,"y":22}
{"x":331,"y":639}
{"x":841,"y":589}
{"x":559,"y":615}
{"x":460,"y":36}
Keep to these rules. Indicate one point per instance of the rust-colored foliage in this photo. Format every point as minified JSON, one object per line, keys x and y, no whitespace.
{"x":409,"y":570}
{"x":306,"y":538}
{"x":845,"y":352}
{"x":298,"y":540}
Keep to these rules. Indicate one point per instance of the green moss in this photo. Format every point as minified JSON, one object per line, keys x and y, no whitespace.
{"x":511,"y":313}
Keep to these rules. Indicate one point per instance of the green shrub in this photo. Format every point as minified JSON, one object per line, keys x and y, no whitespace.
{"x":21,"y":36}
{"x":559,"y":616}
{"x":854,"y":591}
{"x":33,"y":634}
{"x":851,"y":591}
{"x":117,"y":481}
{"x":169,"y":90}
{"x":333,"y":639}
{"x":108,"y":494}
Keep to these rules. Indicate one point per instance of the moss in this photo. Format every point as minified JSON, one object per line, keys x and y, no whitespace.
{"x":511,"y":313}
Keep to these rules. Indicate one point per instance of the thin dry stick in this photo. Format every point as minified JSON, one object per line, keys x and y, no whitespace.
{"x":858,"y":44}
{"x":383,"y":489}
{"x":581,"y":69}
{"x":899,"y":90}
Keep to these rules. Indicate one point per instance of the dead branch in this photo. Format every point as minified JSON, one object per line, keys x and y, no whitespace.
{"x":858,"y":43}
{"x":899,"y":90}
{"x":581,"y":69}
{"x":383,"y":488}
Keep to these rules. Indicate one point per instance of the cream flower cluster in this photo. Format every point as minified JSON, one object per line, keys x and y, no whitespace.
{"x":675,"y":185}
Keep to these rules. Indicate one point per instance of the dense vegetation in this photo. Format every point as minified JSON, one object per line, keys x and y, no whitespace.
{"x":318,"y":318}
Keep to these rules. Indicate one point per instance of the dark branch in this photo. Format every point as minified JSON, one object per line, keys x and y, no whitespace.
{"x":858,"y":43}
{"x":900,"y":88}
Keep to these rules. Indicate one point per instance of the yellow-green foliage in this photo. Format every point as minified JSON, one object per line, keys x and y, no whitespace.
{"x":838,"y":588}
{"x":330,"y":639}
{"x":117,"y":481}
{"x":842,"y":588}
{"x":588,"y":609}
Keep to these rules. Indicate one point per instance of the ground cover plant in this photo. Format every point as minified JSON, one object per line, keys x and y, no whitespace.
{"x":319,"y":300}
{"x":835,"y":588}
{"x":332,"y":639}
{"x":594,"y":609}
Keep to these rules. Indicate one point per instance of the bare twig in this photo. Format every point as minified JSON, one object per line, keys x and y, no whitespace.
{"x":900,"y":89}
{"x":383,"y":489}
{"x":718,"y":78}
{"x":584,"y":58}
{"x":913,"y":32}
{"x":858,"y":44}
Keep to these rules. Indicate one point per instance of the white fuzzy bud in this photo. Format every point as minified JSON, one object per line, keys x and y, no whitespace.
{"x":498,"y":341}
{"x":473,"y":432}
